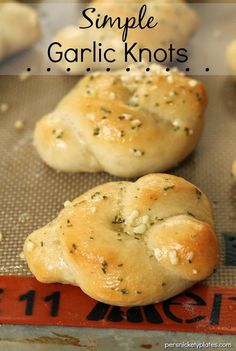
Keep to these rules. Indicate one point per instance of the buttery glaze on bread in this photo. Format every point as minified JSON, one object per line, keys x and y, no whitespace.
{"x":127,"y":124}
{"x":127,"y":243}
{"x":176,"y":24}
{"x":231,"y":57}
{"x":19,"y":28}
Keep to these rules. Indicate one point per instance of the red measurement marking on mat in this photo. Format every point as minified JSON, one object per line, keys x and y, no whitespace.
{"x":208,"y":309}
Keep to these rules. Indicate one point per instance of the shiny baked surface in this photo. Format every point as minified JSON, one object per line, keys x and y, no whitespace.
{"x":125,"y":123}
{"x":127,"y":243}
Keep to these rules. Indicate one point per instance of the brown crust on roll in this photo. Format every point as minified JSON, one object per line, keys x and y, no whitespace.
{"x":129,"y":243}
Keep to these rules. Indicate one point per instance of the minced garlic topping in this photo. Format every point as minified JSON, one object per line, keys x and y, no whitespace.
{"x":140,"y":229}
{"x":173,"y":257}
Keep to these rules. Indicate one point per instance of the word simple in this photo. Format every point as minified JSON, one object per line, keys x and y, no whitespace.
{"x":124,"y":24}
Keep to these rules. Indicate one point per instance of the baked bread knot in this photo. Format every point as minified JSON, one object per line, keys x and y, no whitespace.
{"x":19,"y":28}
{"x":176,"y":24}
{"x":125,"y":123}
{"x":231,"y":58}
{"x":127,"y":243}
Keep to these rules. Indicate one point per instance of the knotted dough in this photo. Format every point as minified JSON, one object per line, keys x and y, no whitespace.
{"x":19,"y":28}
{"x":127,"y":243}
{"x":125,"y":123}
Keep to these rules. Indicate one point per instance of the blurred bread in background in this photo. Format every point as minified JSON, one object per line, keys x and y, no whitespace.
{"x":19,"y":28}
{"x":231,"y":57}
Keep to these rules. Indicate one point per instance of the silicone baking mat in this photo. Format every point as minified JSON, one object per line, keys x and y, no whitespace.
{"x":31,"y":194}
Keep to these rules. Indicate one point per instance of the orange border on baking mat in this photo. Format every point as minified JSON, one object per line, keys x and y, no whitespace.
{"x":208,"y":309}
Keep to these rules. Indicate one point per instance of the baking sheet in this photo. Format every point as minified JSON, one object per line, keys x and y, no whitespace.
{"x":31,"y":194}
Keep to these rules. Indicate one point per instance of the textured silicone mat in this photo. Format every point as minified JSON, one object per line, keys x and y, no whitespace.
{"x":31,"y":194}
